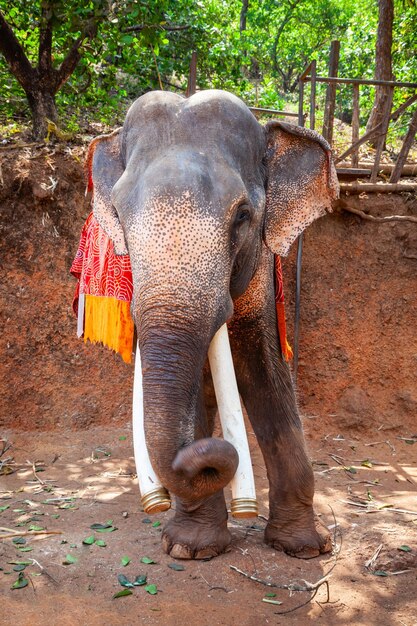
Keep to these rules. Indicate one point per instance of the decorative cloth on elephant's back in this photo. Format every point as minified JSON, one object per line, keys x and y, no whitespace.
{"x":104,"y":292}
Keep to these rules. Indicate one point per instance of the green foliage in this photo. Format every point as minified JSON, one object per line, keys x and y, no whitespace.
{"x":261,"y":64}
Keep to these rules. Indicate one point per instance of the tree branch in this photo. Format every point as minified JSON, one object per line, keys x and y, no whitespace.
{"x":15,"y":56}
{"x":139,"y":27}
{"x":45,"y":39}
{"x":73,"y":57}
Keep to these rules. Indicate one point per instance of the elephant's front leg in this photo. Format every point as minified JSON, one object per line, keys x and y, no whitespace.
{"x":198,"y":530}
{"x":266,"y":388}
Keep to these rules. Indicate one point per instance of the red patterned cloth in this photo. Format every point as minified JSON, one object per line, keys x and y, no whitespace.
{"x":99,"y":271}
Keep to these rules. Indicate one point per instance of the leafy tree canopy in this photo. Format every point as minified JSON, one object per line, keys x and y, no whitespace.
{"x":100,"y":54}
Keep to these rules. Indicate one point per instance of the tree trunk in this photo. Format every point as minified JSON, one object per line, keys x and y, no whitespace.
{"x":383,"y":61}
{"x":43,"y":108}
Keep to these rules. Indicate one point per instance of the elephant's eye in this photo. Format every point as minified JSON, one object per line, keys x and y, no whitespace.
{"x":242,"y":215}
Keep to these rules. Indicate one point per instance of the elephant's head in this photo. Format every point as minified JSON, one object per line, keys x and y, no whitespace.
{"x":193,"y":189}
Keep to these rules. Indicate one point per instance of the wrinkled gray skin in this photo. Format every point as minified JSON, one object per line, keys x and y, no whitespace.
{"x":202,"y":196}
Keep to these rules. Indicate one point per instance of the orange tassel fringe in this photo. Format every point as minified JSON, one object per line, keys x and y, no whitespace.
{"x":108,"y":321}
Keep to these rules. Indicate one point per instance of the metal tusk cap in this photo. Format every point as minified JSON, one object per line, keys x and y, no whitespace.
{"x":244,"y":507}
{"x":156,"y":501}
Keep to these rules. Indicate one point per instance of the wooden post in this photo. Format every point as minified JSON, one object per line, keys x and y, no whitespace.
{"x":313,"y":95}
{"x":330,"y":105}
{"x":382,"y":138}
{"x":301,"y":102}
{"x":405,"y":149}
{"x":192,"y":77}
{"x":355,"y":124}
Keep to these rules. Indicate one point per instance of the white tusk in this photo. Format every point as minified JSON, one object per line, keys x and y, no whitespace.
{"x":231,"y":417}
{"x":155,"y":497}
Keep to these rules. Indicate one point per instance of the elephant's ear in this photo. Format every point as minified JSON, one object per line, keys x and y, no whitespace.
{"x":105,"y":167}
{"x":301,"y":182}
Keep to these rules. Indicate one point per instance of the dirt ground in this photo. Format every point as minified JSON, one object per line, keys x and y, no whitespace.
{"x":88,"y":478}
{"x":67,"y":408}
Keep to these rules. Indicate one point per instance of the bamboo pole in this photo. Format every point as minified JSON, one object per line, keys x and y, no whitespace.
{"x":356,"y":188}
{"x":355,"y":124}
{"x":409,"y":169}
{"x":329,"y":107}
{"x":382,"y":138}
{"x":409,"y":138}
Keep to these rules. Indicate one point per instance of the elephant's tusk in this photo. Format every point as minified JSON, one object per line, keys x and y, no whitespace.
{"x":231,"y":417}
{"x":155,"y":497}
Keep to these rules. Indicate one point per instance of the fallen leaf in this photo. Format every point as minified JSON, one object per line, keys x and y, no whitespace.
{"x":20,"y":582}
{"x":176,"y":567}
{"x":125,"y":561}
{"x":147,"y":560}
{"x":88,"y":541}
{"x":125,"y":582}
{"x":123,"y":592}
{"x":69,"y":560}
{"x":100,"y":543}
{"x":152,"y":589}
{"x":268,"y":601}
{"x":19,"y":541}
{"x":405,"y":548}
{"x":140,"y":580}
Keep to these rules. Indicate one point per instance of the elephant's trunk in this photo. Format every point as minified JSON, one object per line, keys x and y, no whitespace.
{"x":189,"y":462}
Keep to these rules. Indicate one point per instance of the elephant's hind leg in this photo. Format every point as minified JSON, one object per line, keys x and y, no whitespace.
{"x":266,"y":388}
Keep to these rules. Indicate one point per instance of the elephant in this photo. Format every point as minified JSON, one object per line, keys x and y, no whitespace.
{"x":202,"y":196}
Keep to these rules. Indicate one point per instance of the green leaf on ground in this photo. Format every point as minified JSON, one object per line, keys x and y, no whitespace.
{"x":269,"y":601}
{"x":156,"y":524}
{"x":405,"y":548}
{"x":379,"y":572}
{"x":20,"y":562}
{"x":146,"y":521}
{"x":123,"y":592}
{"x":25,"y":548}
{"x":125,"y":582}
{"x":20,"y":582}
{"x":270,"y":595}
{"x":69,"y":560}
{"x":147,"y":560}
{"x":366,"y":463}
{"x":125,"y":561}
{"x":19,"y":568}
{"x":176,"y":567}
{"x":88,"y":541}
{"x":140,"y":580}
{"x":18,"y":541}
{"x":107,"y":527}
{"x":351,"y":470}
{"x":3,"y":508}
{"x":35,"y":527}
{"x":122,"y":438}
{"x":152,"y":589}
{"x":100,"y":543}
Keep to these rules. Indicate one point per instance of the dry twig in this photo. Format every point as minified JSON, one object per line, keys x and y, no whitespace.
{"x":388,"y":218}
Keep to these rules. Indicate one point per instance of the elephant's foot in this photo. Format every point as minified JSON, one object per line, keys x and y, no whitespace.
{"x":198,"y":532}
{"x":304,"y":537}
